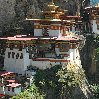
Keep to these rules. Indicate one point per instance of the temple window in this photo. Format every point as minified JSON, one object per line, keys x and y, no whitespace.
{"x":12,"y":89}
{"x":9,"y":54}
{"x":21,"y":57}
{"x":11,"y":46}
{"x":17,"y":55}
{"x":30,"y":56}
{"x":64,"y":47}
{"x":20,"y":48}
{"x":13,"y":54}
{"x":8,"y":88}
{"x":26,"y":49}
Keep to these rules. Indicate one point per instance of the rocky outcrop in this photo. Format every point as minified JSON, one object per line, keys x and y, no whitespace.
{"x":14,"y":12}
{"x":7,"y":11}
{"x":82,"y":89}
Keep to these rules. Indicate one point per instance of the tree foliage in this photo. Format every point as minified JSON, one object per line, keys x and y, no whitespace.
{"x":95,"y":90}
{"x":57,"y":82}
{"x":31,"y":93}
{"x":71,"y":76}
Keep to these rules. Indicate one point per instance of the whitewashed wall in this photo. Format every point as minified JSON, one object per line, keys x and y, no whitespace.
{"x":94,"y":27}
{"x":38,"y":32}
{"x":44,"y":64}
{"x":2,"y":90}
{"x":16,"y":65}
{"x":55,"y":33}
{"x":78,"y":60}
{"x":71,"y":51}
{"x":11,"y":93}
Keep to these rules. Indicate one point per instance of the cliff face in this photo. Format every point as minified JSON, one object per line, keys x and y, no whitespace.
{"x":13,"y":12}
{"x":7,"y":12}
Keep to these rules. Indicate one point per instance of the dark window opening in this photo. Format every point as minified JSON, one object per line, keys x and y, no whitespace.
{"x":9,"y":54}
{"x":21,"y":57}
{"x":13,"y":54}
{"x":12,"y":89}
{"x":30,"y":56}
{"x":11,"y":46}
{"x":20,"y":48}
{"x":97,"y":26}
{"x":8,"y":88}
{"x":17,"y":55}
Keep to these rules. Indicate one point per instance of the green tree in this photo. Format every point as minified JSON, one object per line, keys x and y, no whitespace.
{"x":31,"y":93}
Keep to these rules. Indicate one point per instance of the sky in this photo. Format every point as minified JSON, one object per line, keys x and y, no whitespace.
{"x":94,"y":2}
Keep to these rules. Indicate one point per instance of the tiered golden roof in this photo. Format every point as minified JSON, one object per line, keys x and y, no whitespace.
{"x":54,"y":12}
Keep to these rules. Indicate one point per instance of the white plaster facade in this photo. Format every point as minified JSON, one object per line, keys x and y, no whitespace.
{"x":44,"y":64}
{"x":15,"y":91}
{"x":94,"y":27}
{"x":38,"y":32}
{"x":16,"y":65}
{"x":73,"y":56}
{"x":54,"y":33}
{"x":2,"y":90}
{"x":20,"y":65}
{"x":51,"y":32}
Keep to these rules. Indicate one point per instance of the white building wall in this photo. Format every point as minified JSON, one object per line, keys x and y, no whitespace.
{"x":38,"y":32}
{"x":40,"y":64}
{"x":27,"y":61}
{"x":11,"y":93}
{"x":75,"y":56}
{"x":71,"y":51}
{"x":55,"y":33}
{"x":77,"y":60}
{"x":44,"y":64}
{"x":2,"y":90}
{"x":16,"y":65}
{"x":94,"y":27}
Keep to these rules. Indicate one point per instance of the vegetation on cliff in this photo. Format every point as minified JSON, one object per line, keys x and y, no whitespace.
{"x":59,"y":82}
{"x":30,"y":93}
